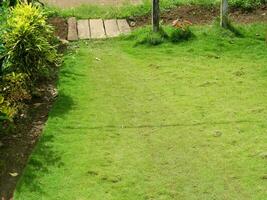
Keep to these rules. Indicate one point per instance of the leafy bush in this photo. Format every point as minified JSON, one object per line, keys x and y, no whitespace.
{"x":3,"y":18}
{"x":27,"y":53}
{"x":147,"y":36}
{"x":14,"y":91}
{"x":178,"y":35}
{"x":28,"y":42}
{"x":180,"y":31}
{"x":246,"y":4}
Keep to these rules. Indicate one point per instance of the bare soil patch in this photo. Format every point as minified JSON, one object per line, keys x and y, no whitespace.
{"x":60,"y":27}
{"x":18,"y":145}
{"x":203,"y":15}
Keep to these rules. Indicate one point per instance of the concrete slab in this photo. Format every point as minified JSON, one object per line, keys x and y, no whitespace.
{"x":72,"y":29}
{"x":97,"y":29}
{"x":112,"y":29}
{"x":123,"y":26}
{"x":83,"y":29}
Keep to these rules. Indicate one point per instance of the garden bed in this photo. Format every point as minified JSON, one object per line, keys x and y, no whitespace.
{"x":27,"y":90}
{"x":204,"y":15}
{"x":17,"y":147}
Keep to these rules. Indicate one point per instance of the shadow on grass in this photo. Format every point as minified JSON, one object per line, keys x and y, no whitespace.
{"x":71,"y":75}
{"x":62,"y":106}
{"x":45,"y":157}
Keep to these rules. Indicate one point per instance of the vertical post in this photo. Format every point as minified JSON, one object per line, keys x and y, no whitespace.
{"x":155,"y":15}
{"x":224,"y":13}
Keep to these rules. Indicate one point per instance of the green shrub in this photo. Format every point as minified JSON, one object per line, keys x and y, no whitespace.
{"x":178,"y":35}
{"x":28,"y":42}
{"x":14,"y":92}
{"x":246,"y":4}
{"x":3,"y":18}
{"x":146,"y":36}
{"x":27,"y":53}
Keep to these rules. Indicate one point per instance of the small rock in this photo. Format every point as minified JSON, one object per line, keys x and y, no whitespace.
{"x":98,"y":59}
{"x":54,"y":93}
{"x":64,"y":41}
{"x":217,"y":134}
{"x":132,"y":24}
{"x":263,"y":155}
{"x":15,"y":174}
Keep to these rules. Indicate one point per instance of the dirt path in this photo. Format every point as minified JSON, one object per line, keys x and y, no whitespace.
{"x":75,"y":3}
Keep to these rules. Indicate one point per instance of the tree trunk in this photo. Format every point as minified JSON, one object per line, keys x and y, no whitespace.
{"x":155,"y":15}
{"x":224,"y":13}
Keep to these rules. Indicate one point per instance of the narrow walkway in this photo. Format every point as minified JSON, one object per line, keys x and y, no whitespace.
{"x":96,"y":28}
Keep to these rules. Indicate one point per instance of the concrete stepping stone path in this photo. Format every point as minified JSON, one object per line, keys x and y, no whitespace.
{"x":96,"y":28}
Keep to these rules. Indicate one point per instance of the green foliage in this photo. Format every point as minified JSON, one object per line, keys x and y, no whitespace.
{"x":166,"y":34}
{"x":147,"y":36}
{"x":246,"y":4}
{"x":3,"y":18}
{"x":28,"y":42}
{"x":27,"y":53}
{"x":177,"y":35}
{"x":14,"y":91}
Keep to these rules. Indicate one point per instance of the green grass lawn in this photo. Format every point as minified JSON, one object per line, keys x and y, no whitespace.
{"x":180,"y":121}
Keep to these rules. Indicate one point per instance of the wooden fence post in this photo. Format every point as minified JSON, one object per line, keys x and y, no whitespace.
{"x":155,"y":15}
{"x":224,"y":13}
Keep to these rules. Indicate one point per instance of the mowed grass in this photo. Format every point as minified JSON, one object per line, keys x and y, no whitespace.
{"x":177,"y":121}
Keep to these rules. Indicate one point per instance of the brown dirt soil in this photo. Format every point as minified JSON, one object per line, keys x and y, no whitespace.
{"x":203,"y":15}
{"x":17,"y":146}
{"x":60,"y":25}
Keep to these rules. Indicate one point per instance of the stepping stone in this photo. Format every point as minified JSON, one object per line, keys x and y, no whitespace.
{"x":72,"y":29}
{"x":83,"y":29}
{"x":97,"y":29}
{"x":112,"y":29}
{"x":123,"y":26}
